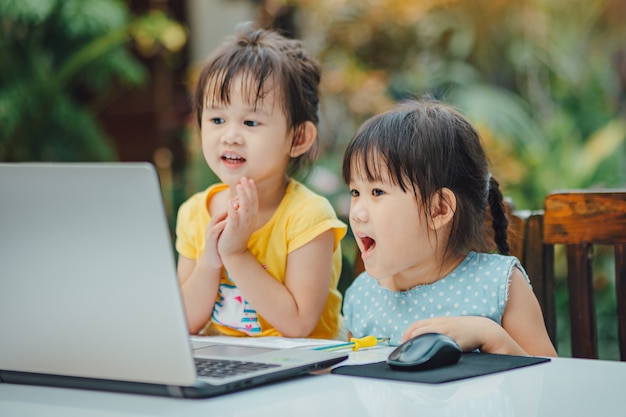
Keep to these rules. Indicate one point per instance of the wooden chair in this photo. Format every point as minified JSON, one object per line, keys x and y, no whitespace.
{"x":580,"y":219}
{"x":534,"y":255}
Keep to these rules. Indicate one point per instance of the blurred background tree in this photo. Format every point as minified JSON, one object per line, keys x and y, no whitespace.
{"x":545,"y":81}
{"x":62,"y":61}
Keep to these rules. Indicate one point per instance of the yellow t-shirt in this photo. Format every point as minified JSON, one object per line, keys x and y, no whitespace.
{"x":301,"y":216}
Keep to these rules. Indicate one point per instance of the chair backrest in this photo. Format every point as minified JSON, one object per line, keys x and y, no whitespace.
{"x":579,"y":219}
{"x":525,"y":237}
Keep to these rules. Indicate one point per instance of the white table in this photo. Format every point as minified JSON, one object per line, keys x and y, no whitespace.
{"x":562,"y":387}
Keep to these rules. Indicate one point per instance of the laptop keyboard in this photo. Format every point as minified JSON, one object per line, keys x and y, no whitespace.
{"x":221,"y":368}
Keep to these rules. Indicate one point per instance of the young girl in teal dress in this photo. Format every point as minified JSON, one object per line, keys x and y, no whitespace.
{"x":420,"y":187}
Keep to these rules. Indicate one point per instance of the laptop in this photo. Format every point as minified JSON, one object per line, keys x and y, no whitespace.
{"x":89,"y":296}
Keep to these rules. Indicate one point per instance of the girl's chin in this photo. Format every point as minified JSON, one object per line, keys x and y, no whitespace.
{"x":375,"y":272}
{"x":381,"y":273}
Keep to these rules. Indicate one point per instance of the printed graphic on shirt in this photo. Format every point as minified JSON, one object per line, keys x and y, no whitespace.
{"x":232,"y":310}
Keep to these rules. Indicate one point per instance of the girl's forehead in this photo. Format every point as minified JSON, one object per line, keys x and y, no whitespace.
{"x":368,"y":163}
{"x":221,"y":87}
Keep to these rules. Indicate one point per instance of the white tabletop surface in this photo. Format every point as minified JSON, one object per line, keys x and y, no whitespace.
{"x":562,"y":387}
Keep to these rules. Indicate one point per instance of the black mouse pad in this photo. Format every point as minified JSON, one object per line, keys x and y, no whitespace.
{"x":470,"y":365}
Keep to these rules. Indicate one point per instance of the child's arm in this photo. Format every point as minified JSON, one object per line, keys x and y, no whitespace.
{"x":522,"y":332}
{"x":523,"y":319}
{"x":293,"y":308}
{"x":199,"y":281}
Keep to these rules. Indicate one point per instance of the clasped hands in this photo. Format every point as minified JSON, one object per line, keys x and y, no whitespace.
{"x":230,"y":228}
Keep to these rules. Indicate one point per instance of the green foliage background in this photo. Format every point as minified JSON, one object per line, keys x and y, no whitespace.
{"x":59,"y":60}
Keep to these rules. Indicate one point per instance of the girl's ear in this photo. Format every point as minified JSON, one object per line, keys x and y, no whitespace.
{"x":304,"y":139}
{"x":443,"y":207}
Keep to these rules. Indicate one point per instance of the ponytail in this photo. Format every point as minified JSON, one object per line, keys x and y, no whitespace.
{"x":499,"y":218}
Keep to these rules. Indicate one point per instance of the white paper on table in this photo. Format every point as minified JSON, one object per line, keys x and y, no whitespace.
{"x":275,"y":342}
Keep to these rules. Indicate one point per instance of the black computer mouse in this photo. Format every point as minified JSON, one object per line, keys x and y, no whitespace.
{"x":426,"y":351}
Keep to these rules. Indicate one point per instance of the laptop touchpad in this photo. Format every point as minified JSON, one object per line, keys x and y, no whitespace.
{"x":230,"y":350}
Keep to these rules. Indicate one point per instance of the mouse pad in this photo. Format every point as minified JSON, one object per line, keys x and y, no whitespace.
{"x":470,"y":365}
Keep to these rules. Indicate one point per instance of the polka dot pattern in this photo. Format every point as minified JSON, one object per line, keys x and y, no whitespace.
{"x":477,"y":287}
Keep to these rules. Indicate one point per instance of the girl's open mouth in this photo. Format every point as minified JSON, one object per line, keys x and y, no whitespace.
{"x":368,"y":243}
{"x":232,"y":159}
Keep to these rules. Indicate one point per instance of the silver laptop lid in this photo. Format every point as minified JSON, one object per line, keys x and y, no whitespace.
{"x":87,"y":277}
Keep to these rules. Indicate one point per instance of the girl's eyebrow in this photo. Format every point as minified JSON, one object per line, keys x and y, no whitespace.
{"x":220,"y":106}
{"x":213,"y":104}
{"x":259,"y":110}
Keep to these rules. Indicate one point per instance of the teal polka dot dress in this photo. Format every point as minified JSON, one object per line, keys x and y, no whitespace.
{"x":477,"y":287}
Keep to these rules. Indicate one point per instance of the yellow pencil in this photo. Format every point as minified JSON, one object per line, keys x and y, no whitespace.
{"x":356,"y":343}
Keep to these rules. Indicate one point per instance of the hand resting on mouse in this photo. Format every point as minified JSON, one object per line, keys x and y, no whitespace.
{"x":470,"y":332}
{"x":426,"y":351}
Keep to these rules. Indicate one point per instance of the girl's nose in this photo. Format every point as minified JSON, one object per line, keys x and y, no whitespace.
{"x":358,"y":213}
{"x":232,"y":135}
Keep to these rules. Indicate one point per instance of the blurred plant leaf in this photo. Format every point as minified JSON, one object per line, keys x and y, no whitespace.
{"x":92,"y":18}
{"x":598,"y":147}
{"x":27,"y":11}
{"x":156,"y":30}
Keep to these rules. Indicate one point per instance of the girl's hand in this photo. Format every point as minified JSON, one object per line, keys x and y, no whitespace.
{"x":211,"y":257}
{"x":470,"y":332}
{"x":241,"y":219}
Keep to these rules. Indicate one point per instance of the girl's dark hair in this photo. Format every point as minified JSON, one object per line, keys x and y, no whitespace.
{"x":423,"y":146}
{"x":264,"y":59}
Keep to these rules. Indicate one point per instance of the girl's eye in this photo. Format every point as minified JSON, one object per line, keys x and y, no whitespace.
{"x":354,"y":193}
{"x":217,"y":120}
{"x":251,"y":123}
{"x":377,"y":192}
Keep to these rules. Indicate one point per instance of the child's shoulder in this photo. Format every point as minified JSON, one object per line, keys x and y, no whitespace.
{"x":300,"y":189}
{"x":480,"y":262}
{"x":482,"y":258}
{"x":299,"y":193}
{"x":199,"y":200}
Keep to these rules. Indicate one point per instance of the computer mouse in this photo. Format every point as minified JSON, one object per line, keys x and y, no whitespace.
{"x":426,"y":351}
